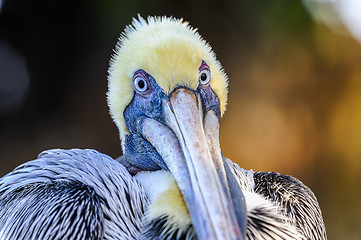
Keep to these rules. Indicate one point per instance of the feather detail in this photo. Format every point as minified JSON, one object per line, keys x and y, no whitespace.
{"x":86,"y":179}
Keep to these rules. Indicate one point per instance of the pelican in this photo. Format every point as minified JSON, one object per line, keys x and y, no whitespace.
{"x":167,"y":93}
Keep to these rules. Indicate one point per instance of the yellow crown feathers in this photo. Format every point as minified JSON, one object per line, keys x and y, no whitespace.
{"x":170,"y":51}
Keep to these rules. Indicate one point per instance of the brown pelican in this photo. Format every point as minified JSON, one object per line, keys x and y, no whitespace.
{"x":167,"y":93}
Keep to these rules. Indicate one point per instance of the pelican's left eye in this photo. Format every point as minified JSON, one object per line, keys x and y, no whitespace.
{"x":205,"y":76}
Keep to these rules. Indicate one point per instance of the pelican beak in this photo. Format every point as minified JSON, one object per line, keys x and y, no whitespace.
{"x":188,"y":142}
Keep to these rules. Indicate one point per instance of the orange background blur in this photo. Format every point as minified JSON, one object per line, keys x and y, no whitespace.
{"x":294,"y":102}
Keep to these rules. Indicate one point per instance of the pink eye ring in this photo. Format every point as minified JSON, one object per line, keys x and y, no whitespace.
{"x":204,"y":74}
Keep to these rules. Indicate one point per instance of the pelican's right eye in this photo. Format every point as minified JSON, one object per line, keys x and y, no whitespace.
{"x":140,"y":82}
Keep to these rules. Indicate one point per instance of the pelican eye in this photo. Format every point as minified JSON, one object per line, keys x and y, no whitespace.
{"x":140,"y":82}
{"x":205,"y":76}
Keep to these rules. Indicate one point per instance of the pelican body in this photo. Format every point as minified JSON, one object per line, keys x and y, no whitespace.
{"x":167,"y":93}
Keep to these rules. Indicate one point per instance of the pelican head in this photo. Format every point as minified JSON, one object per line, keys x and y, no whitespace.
{"x":167,"y":93}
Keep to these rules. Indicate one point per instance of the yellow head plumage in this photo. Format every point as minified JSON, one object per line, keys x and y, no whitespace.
{"x":170,"y":51}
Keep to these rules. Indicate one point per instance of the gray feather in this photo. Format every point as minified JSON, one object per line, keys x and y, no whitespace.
{"x":51,"y":192}
{"x":291,"y":210}
{"x":83,"y":194}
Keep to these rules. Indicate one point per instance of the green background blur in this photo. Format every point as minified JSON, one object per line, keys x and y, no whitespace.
{"x":294,"y":88}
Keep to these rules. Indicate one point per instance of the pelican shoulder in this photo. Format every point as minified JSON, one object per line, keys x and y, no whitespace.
{"x":71,"y":192}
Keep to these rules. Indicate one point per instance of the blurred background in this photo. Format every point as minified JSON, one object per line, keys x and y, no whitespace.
{"x":294,"y":95}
